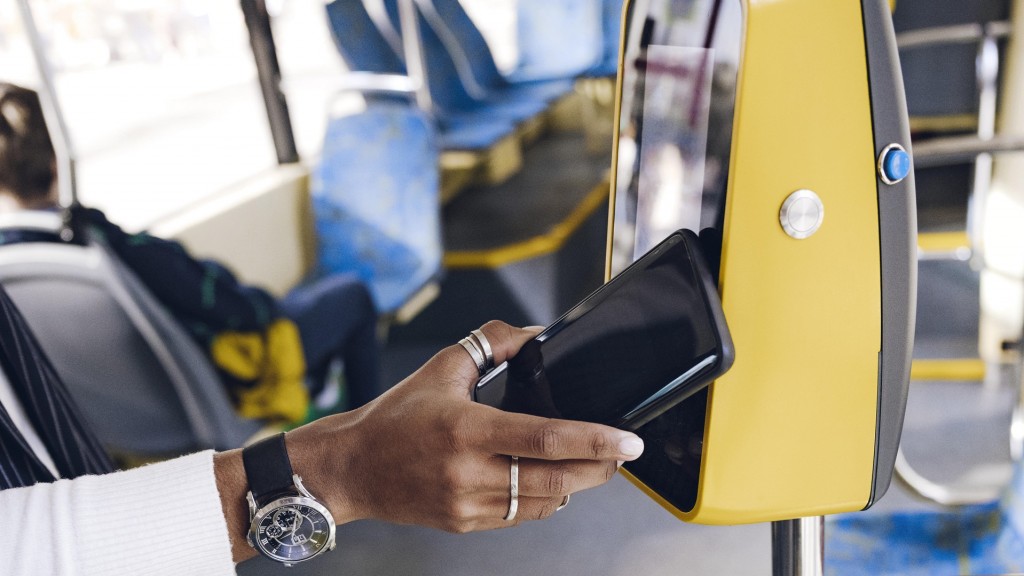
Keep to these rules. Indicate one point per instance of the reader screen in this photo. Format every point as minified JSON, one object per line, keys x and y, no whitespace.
{"x":681,"y":59}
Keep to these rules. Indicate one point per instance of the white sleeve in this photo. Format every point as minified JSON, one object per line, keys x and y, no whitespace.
{"x":161,"y":519}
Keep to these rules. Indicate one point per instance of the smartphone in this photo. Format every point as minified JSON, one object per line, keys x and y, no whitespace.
{"x":652,"y":336}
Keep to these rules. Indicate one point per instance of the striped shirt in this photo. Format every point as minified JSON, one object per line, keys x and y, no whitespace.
{"x":47,"y":406}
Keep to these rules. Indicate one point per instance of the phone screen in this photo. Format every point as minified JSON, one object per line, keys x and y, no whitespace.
{"x":635,"y":347}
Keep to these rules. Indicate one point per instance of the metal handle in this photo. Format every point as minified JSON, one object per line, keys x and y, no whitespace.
{"x":943,"y":494}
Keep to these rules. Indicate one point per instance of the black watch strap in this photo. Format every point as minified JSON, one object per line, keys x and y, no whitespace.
{"x":267,"y":468}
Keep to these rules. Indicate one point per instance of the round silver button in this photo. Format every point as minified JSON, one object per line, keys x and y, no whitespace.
{"x":801,"y":214}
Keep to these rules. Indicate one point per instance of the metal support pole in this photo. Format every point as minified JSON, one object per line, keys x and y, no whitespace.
{"x":64,"y":151}
{"x":261,"y":37}
{"x":798,"y":547}
{"x":987,"y":76}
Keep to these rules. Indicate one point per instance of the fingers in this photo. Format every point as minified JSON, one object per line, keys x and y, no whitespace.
{"x":504,"y":340}
{"x":491,"y":515}
{"x":551,"y":439}
{"x":538,"y":478}
{"x":544,"y":479}
{"x":543,"y":487}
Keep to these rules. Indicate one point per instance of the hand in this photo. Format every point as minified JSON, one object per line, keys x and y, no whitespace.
{"x":424,"y":453}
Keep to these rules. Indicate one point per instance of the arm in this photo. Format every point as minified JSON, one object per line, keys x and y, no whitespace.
{"x":161,"y":520}
{"x":426,"y":454}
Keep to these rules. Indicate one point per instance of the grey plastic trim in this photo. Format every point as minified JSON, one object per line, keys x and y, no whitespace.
{"x":955,"y":34}
{"x":897,"y":219}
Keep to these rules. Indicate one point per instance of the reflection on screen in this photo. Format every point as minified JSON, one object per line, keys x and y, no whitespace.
{"x":675,"y":128}
{"x":681,"y":59}
{"x":670,"y":181}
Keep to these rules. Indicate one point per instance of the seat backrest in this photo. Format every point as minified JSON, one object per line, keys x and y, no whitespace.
{"x":480,"y":59}
{"x":548,"y":48}
{"x":449,"y":74}
{"x":359,"y":40}
{"x":611,"y":30}
{"x":376,"y":201}
{"x":141,"y":381}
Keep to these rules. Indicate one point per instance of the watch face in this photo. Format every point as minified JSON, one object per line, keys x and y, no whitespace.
{"x":292,"y":529}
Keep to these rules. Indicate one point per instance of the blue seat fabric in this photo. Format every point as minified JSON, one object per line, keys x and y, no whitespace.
{"x":447,"y":88}
{"x":481,"y":60}
{"x":364,"y":48}
{"x":359,"y":41}
{"x":376,"y":201}
{"x":547,"y":50}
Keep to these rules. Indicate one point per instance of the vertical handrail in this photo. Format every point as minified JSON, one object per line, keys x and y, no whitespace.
{"x":798,"y":547}
{"x":987,"y":75}
{"x":63,"y":148}
{"x":261,"y":38}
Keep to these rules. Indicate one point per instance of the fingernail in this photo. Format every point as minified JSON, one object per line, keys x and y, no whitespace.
{"x":619,"y":464}
{"x":535,"y":328}
{"x":631,"y":446}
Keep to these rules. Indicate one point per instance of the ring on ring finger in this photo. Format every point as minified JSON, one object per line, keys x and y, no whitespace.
{"x":513,"y":502}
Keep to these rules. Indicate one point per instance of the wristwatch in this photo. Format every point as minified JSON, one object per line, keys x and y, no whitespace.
{"x":286,"y":523}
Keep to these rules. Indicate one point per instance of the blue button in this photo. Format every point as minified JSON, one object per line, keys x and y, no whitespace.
{"x":895,"y":164}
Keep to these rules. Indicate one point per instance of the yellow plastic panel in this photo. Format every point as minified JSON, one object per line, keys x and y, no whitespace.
{"x":791,"y":428}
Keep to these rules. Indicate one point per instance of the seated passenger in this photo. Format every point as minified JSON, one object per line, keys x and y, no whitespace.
{"x":267,"y":351}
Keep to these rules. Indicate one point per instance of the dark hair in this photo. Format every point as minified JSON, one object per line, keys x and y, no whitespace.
{"x":26,"y":152}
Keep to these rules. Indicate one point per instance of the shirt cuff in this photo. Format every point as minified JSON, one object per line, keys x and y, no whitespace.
{"x":160,"y":519}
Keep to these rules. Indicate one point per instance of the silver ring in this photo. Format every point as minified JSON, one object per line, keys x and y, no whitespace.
{"x":513,"y":502}
{"x":565,"y":502}
{"x":478,"y":356}
{"x":485,"y":347}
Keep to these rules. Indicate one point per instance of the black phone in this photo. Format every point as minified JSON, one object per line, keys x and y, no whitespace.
{"x":652,"y":336}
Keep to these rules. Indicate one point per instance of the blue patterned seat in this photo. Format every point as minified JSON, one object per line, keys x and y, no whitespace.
{"x":376,"y":201}
{"x":359,"y":41}
{"x":365,"y":48}
{"x":480,"y":61}
{"x":548,"y":48}
{"x":611,"y":29}
{"x":450,"y":76}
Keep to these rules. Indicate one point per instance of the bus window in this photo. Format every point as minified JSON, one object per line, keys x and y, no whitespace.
{"x":161,"y":99}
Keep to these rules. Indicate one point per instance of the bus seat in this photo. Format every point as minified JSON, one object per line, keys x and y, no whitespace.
{"x":359,"y":40}
{"x":550,"y":49}
{"x":376,"y":201}
{"x":450,"y":76}
{"x":364,"y":47}
{"x":611,"y":29}
{"x":480,"y":60}
{"x":141,"y":381}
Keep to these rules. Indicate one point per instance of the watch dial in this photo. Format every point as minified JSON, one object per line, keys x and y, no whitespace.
{"x":292,"y":533}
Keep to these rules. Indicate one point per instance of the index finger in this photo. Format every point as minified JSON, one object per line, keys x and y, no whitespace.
{"x":504,"y":341}
{"x":553,"y":439}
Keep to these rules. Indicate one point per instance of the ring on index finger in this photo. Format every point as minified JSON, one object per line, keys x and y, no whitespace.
{"x":478,"y":356}
{"x":485,"y":347}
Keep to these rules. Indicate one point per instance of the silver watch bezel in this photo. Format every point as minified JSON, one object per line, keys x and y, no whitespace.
{"x":303,"y":498}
